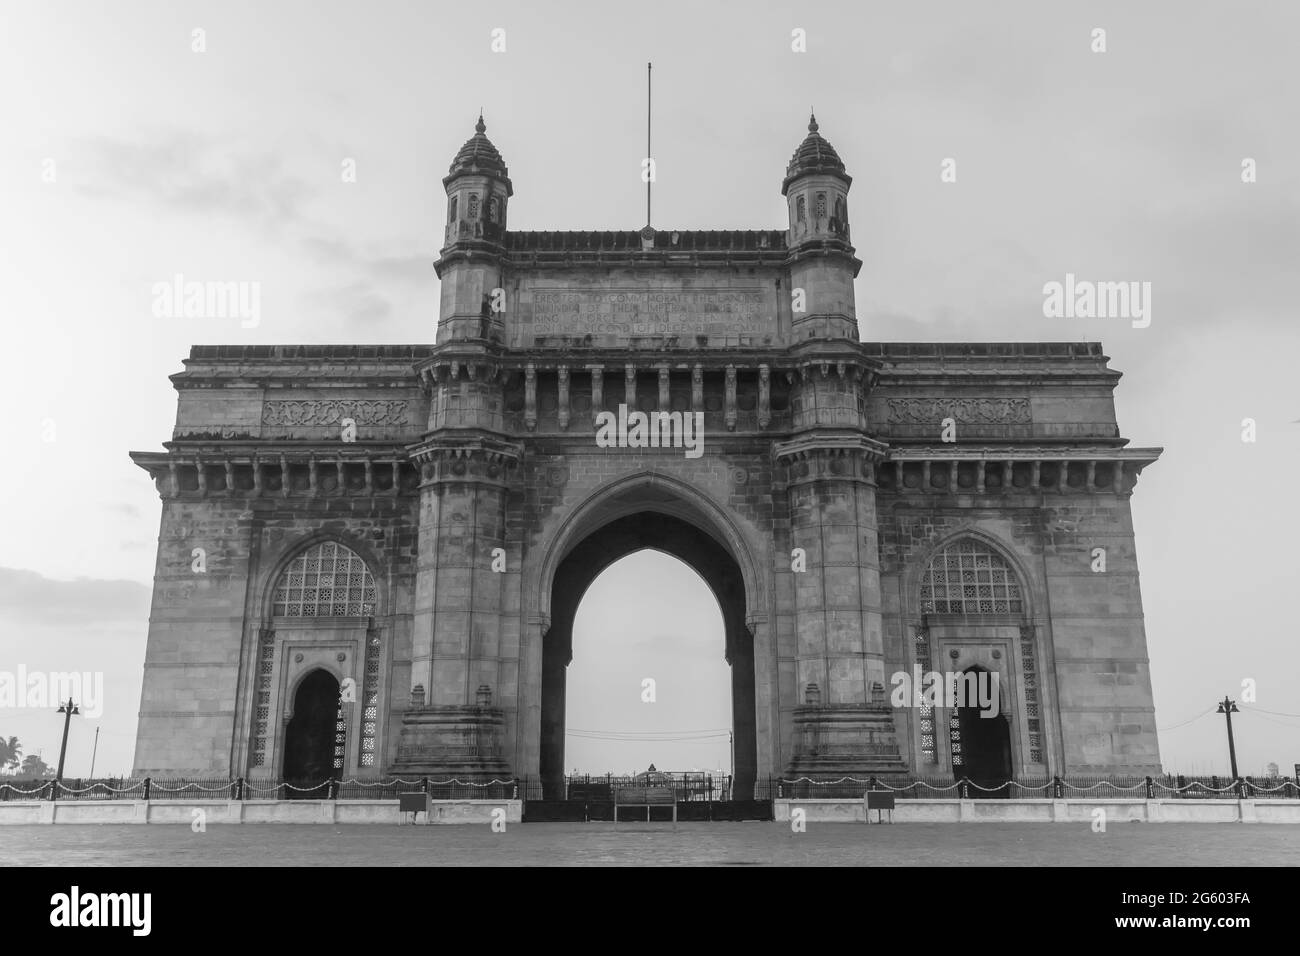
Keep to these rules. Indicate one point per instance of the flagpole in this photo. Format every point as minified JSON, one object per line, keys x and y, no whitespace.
{"x":647,"y":142}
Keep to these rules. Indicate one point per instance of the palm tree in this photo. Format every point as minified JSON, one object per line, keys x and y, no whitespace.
{"x":11,"y":752}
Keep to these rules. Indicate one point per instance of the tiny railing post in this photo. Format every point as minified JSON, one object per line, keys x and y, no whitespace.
{"x":962,"y":791}
{"x":424,"y":784}
{"x":1151,"y":793}
{"x":148,"y":783}
{"x":239,"y":789}
{"x":1214,"y":782}
{"x":54,"y":790}
{"x":283,"y":789}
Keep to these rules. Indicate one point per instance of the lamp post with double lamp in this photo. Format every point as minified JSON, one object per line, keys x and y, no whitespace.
{"x":67,"y":710}
{"x":1228,"y":708}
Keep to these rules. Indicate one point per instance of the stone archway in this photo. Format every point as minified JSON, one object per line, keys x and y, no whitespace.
{"x":985,"y":735}
{"x":312,"y":735}
{"x":616,"y":539}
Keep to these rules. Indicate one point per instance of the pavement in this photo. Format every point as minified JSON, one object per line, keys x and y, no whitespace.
{"x":654,"y":844}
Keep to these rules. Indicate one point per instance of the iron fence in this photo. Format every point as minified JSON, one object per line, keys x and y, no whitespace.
{"x":689,"y":788}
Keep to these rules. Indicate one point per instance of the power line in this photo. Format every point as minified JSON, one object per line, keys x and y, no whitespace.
{"x":1275,"y":713}
{"x":1186,"y":722}
{"x":652,"y":733}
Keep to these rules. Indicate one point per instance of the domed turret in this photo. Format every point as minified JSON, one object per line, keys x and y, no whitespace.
{"x":478,"y":155}
{"x":469,"y":264}
{"x":814,"y":155}
{"x":816,"y":188}
{"x":822,"y":264}
{"x":478,"y":186}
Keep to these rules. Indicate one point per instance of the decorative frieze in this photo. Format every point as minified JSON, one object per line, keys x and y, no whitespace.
{"x":332,"y":412}
{"x":965,"y":411}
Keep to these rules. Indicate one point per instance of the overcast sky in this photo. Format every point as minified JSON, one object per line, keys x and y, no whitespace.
{"x":226,"y":165}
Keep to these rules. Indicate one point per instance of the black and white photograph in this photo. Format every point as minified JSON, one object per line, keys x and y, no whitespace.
{"x":642,"y":436}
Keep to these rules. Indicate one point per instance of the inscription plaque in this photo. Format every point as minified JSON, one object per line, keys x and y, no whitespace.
{"x":623,"y":313}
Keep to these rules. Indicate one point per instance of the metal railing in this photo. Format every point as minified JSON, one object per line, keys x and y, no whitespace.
{"x":689,"y":787}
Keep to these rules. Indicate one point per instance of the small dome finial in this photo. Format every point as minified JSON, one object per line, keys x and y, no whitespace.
{"x":812,"y":121}
{"x":480,"y":126}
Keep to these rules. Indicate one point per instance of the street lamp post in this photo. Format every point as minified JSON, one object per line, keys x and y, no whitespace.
{"x":1228,"y":708}
{"x":67,"y":710}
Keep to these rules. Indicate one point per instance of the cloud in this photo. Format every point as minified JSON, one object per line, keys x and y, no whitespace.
{"x":29,"y":600}
{"x":357,"y":302}
{"x":189,"y":173}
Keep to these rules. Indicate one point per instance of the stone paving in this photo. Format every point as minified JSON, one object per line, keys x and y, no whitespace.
{"x":599,"y":844}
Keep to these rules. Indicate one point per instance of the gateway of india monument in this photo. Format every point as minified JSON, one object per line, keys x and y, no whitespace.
{"x":395,"y":539}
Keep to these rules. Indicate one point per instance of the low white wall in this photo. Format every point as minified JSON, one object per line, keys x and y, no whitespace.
{"x":1118,"y":810}
{"x":251,"y":811}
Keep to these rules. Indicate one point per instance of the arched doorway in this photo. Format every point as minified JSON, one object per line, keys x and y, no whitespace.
{"x":714,"y":563}
{"x":985,"y":737}
{"x":314,"y":740}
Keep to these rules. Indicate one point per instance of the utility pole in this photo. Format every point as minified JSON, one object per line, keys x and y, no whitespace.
{"x":93,"y":753}
{"x":67,"y":710}
{"x":1228,"y":708}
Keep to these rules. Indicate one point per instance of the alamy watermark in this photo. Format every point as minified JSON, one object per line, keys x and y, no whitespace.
{"x":42,"y":689}
{"x":651,"y":430}
{"x":180,"y":299}
{"x":1082,"y":299}
{"x":973,"y":688}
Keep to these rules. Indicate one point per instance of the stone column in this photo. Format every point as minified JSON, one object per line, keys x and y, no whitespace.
{"x":844,"y":725}
{"x":563,"y":376}
{"x":454,"y":730}
{"x":731,"y":398}
{"x":597,"y":390}
{"x":530,"y":396}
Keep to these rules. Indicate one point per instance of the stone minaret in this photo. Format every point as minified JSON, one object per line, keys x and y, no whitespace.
{"x":822,"y":264}
{"x":478,"y":193}
{"x":466,"y":459}
{"x":843,"y":725}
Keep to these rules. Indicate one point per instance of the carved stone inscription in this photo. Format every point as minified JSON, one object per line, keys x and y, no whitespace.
{"x":981,"y":411}
{"x":669,"y":311}
{"x":390,"y":412}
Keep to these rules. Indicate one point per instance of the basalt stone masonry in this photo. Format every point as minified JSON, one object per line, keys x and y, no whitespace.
{"x":395,"y":539}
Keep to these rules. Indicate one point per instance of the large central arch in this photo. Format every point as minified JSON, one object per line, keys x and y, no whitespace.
{"x":648,"y":512}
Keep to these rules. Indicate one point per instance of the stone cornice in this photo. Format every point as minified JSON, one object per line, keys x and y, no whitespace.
{"x":464,"y":445}
{"x":1023,"y":469}
{"x":238,"y":471}
{"x":824,"y":441}
{"x":1072,"y":451}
